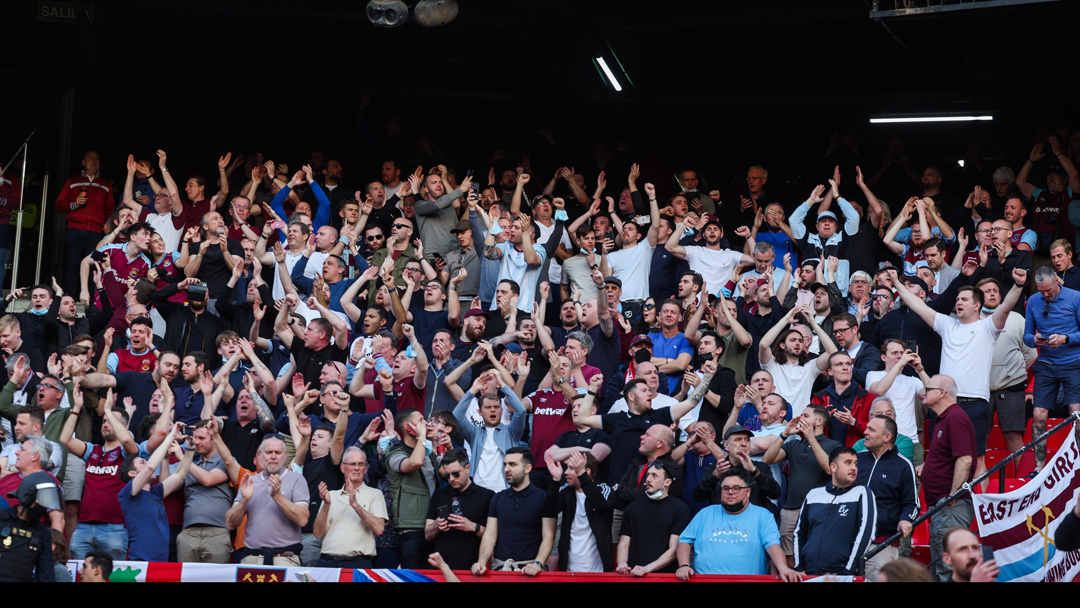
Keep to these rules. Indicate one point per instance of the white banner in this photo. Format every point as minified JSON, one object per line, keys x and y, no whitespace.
{"x":1020,"y":525}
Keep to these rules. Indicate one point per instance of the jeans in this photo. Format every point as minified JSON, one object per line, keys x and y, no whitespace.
{"x":110,"y":538}
{"x":960,"y":515}
{"x":414,"y":550}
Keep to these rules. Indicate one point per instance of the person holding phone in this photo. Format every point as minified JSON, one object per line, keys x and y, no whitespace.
{"x":457,"y":513}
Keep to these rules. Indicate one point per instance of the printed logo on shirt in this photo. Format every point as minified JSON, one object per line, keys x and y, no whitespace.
{"x":842,"y":511}
{"x":100,"y":470}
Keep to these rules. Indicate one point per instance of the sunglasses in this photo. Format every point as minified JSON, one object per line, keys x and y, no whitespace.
{"x":402,"y":226}
{"x":649,"y":306}
{"x":374,"y":237}
{"x":454,"y":474}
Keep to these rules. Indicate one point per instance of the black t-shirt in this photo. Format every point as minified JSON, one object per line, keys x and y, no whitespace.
{"x":626,"y":430}
{"x":460,"y":548}
{"x":320,"y":470}
{"x":243,"y":441}
{"x":310,"y":362}
{"x":591,"y":437}
{"x":213,"y":270}
{"x":426,"y":323}
{"x":539,"y":366}
{"x":650,"y":524}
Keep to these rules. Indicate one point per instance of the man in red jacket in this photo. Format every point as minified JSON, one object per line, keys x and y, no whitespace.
{"x":87,"y":201}
{"x":847,"y":402}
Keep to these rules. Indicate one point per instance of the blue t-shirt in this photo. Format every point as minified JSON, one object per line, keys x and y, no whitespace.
{"x":670,"y":348}
{"x":146,"y":523}
{"x":731,"y":544}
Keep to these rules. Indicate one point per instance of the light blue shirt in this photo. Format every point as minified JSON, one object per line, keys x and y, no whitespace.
{"x":731,"y":544}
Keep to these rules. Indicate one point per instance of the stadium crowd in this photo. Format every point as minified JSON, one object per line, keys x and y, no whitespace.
{"x":589,"y":373}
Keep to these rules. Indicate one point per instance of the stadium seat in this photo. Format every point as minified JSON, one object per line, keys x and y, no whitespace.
{"x":996,"y":439}
{"x":995,"y":456}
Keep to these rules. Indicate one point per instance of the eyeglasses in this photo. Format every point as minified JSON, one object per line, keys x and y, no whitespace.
{"x":356,"y":465}
{"x":402,"y":226}
{"x":374,"y":237}
{"x":878,"y":296}
{"x":454,"y":474}
{"x":733,"y":489}
{"x":649,"y":306}
{"x":840,"y":330}
{"x":52,"y":386}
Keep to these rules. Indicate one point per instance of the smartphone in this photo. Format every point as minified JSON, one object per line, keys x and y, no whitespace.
{"x":987,"y":552}
{"x":469,"y":173}
{"x":442,"y":511}
{"x":610,"y":234}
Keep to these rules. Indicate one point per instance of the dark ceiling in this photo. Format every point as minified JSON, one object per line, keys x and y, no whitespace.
{"x":727,"y":82}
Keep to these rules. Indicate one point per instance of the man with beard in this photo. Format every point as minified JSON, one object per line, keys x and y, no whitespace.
{"x":191,"y":328}
{"x":457,"y":513}
{"x":276,"y":504}
{"x":651,"y":526}
{"x":792,"y":368}
{"x":520,"y":529}
{"x":754,"y":542}
{"x":215,"y":255}
{"x":437,"y":213}
{"x":350,"y":518}
{"x":472,"y":332}
{"x":963,"y":554}
{"x":101,"y":520}
{"x":710,"y":261}
{"x":865,"y":357}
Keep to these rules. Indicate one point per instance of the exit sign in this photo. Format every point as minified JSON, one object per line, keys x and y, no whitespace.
{"x":62,"y":12}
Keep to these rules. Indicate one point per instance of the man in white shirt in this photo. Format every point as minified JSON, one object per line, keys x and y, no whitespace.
{"x":1008,"y":373}
{"x":711,"y":262}
{"x":632,"y":263}
{"x":901,"y":390}
{"x":967,"y":348}
{"x":790,"y":363}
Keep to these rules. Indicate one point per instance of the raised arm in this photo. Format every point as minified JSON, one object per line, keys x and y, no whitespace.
{"x":913,"y":302}
{"x":587,"y":415}
{"x":901,"y":218}
{"x":765,"y":346}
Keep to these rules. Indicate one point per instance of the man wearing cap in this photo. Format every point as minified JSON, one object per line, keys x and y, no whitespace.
{"x":903,"y":324}
{"x":632,"y":263}
{"x":464,"y":257}
{"x":710,"y":261}
{"x":472,"y":331}
{"x":764,"y":489}
{"x":1056,"y":201}
{"x":27,"y":544}
{"x":828,"y":241}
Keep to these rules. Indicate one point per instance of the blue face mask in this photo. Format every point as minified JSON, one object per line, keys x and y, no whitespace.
{"x":39,"y":313}
{"x":560,"y":214}
{"x":988,"y":311}
{"x":495,"y":228}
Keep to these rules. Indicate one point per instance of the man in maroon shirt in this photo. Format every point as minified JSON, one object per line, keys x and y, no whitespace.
{"x":948,"y":464}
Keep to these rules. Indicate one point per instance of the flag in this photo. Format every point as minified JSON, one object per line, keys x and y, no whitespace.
{"x":1020,"y":525}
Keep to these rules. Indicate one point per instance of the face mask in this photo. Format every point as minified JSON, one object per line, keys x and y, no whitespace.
{"x":655,"y":495}
{"x":495,"y":228}
{"x":560,"y":214}
{"x":39,"y":313}
{"x":735,"y":508}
